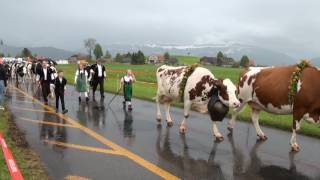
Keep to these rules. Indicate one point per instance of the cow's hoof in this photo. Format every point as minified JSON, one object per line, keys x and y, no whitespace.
{"x":182,"y":130}
{"x":159,"y":126}
{"x":262,"y":137}
{"x":169,"y":123}
{"x":219,"y":138}
{"x":295,"y":147}
{"x":159,"y":120}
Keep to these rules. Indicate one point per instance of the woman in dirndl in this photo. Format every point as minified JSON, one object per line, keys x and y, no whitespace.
{"x":126,"y":84}
{"x":81,"y":82}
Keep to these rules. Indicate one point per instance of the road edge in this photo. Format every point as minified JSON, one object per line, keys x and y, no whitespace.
{"x":27,"y":159}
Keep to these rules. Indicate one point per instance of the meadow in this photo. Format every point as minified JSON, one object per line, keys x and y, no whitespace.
{"x":145,"y":88}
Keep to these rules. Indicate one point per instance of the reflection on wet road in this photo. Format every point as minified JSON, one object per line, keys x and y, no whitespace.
{"x":97,"y":142}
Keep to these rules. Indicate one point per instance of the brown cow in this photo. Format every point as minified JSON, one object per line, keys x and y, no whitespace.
{"x":266,"y":89}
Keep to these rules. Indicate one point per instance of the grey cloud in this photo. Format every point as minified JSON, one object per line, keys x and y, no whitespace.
{"x":291,"y":26}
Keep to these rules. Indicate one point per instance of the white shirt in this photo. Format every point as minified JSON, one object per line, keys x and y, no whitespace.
{"x":99,"y":70}
{"x":80,"y":71}
{"x":127,"y":78}
{"x":45,"y":74}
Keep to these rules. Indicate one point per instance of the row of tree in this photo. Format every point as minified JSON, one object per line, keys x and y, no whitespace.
{"x":244,"y":61}
{"x":93,"y":47}
{"x":132,"y":58}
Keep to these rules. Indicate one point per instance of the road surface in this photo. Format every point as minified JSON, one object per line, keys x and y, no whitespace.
{"x":97,"y":143}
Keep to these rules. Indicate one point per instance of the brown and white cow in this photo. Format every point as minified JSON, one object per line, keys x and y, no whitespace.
{"x":197,"y":92}
{"x":266,"y":89}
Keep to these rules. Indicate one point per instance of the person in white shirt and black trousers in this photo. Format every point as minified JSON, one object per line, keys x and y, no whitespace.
{"x":99,"y":75}
{"x":44,"y":78}
{"x":60,"y":86}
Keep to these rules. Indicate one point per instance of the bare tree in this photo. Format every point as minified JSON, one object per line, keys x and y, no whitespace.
{"x":89,"y":44}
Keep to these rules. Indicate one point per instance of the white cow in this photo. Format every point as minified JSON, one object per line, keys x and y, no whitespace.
{"x":197,"y":92}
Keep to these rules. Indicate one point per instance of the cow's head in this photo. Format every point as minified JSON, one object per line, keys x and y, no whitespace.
{"x":227,"y":93}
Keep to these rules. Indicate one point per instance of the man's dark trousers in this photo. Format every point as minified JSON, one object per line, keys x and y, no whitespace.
{"x":45,"y":90}
{"x":61,"y":97}
{"x":98,"y":81}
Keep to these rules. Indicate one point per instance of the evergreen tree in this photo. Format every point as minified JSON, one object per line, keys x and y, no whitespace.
{"x":220,"y":58}
{"x":141,"y":58}
{"x":107,"y":55}
{"x":166,"y":56}
{"x":244,"y":62}
{"x":220,"y":55}
{"x":26,"y":53}
{"x":118,"y":57}
{"x":98,"y":51}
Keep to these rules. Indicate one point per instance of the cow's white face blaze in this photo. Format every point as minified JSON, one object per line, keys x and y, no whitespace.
{"x":227,"y":94}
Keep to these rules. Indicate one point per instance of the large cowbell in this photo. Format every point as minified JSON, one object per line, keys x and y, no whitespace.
{"x":216,"y":108}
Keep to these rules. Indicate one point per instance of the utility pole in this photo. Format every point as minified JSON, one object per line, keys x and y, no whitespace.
{"x":1,"y":47}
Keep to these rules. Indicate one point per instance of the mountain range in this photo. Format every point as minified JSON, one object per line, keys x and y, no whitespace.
{"x":262,"y":56}
{"x":51,"y":52}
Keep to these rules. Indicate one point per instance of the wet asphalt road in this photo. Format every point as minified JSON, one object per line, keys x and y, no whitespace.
{"x":193,"y":156}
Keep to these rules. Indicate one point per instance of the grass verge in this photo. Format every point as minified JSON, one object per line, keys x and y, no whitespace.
{"x":27,"y":160}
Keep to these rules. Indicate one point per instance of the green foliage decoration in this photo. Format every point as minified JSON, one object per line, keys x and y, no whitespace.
{"x":190,"y":70}
{"x":293,"y":84}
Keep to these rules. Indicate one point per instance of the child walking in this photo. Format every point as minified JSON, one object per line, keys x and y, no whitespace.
{"x":60,"y":86}
{"x":126,"y":84}
{"x":81,"y":82}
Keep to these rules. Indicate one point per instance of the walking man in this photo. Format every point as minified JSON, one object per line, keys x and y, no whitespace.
{"x":44,"y":78}
{"x":3,"y":83}
{"x":60,"y":86}
{"x":99,"y":75}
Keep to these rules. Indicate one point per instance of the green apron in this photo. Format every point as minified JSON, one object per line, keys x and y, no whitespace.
{"x":127,"y":90}
{"x":81,"y":84}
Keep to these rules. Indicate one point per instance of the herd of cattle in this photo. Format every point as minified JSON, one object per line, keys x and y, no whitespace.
{"x":261,"y":88}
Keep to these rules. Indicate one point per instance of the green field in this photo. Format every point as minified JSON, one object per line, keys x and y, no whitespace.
{"x":146,"y":73}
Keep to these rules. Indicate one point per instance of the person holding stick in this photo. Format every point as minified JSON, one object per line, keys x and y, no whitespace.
{"x":126,"y":83}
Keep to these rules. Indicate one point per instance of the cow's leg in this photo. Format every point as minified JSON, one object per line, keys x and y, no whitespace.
{"x":255,"y":120}
{"x":158,"y":109}
{"x":183,"y":126}
{"x":167,"y":109}
{"x":232,"y":121}
{"x":297,"y":116}
{"x":216,"y":131}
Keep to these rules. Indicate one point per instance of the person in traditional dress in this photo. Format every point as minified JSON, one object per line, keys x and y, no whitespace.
{"x":126,"y":84}
{"x":81,"y":82}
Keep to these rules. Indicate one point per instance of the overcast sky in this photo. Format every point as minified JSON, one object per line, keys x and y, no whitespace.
{"x":289,"y":26}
